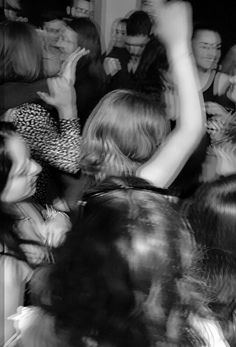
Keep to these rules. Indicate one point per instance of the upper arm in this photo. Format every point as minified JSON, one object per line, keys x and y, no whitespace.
{"x":162,"y":169}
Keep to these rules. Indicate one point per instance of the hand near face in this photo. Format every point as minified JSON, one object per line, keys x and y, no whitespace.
{"x":111,"y":66}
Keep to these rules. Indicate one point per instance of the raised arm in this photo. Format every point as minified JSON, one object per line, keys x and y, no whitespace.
{"x":174,"y":27}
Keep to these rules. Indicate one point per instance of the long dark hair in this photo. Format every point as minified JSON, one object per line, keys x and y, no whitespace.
{"x":119,"y":277}
{"x":212,"y":216}
{"x":88,"y":37}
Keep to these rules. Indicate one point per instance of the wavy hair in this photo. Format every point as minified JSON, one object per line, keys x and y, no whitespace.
{"x":212,"y":216}
{"x":122,"y":275}
{"x":122,"y":133}
{"x":20,"y":52}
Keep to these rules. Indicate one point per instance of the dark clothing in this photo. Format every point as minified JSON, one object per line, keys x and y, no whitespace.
{"x":14,"y":94}
{"x":89,"y":90}
{"x":53,"y":143}
{"x":148,"y":76}
{"x":121,"y":54}
{"x":188,"y":179}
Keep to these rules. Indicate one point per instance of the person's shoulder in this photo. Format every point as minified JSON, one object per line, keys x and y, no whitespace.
{"x":30,"y":109}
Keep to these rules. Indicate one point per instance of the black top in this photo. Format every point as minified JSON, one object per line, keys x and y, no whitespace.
{"x":14,"y":94}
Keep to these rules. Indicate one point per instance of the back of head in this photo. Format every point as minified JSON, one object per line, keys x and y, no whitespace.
{"x":139,"y":23}
{"x":121,"y":134}
{"x":20,"y":52}
{"x":116,"y":276}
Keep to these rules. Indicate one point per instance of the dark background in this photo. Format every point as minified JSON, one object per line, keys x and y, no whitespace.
{"x":219,"y":12}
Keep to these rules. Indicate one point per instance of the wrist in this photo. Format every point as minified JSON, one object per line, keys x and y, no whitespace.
{"x":67,"y":112}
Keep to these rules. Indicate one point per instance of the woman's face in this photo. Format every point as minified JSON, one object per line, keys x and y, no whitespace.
{"x":120,"y":35}
{"x":68,"y":42}
{"x":21,"y":183}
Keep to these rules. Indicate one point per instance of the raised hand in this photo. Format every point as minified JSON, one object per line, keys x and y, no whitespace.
{"x":68,"y":68}
{"x":111,"y":66}
{"x":173,"y":21}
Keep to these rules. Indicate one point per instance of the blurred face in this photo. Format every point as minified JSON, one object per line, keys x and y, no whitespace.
{"x":136,"y":45}
{"x":81,"y":8}
{"x":68,"y":42}
{"x":54,"y":29}
{"x":207,"y":49}
{"x":21,"y":183}
{"x":120,"y":35}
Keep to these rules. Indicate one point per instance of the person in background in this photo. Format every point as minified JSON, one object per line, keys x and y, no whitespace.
{"x":117,"y":49}
{"x":90,"y":83}
{"x":26,"y":235}
{"x":53,"y":26}
{"x":54,"y":138}
{"x":21,"y":65}
{"x":79,"y":8}
{"x":126,"y":132}
{"x":207,"y":43}
{"x":13,"y":11}
{"x":228,"y":63}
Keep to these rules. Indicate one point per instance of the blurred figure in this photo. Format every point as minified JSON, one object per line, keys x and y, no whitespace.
{"x":90,"y":83}
{"x":13,"y":11}
{"x":229,"y":62}
{"x":117,"y":50}
{"x":53,"y":26}
{"x":79,"y":9}
{"x":25,"y":237}
{"x":207,"y":52}
{"x":212,"y":217}
{"x":143,"y":69}
{"x":21,"y":65}
{"x":118,"y":283}
{"x":126,"y":132}
{"x":52,"y":133}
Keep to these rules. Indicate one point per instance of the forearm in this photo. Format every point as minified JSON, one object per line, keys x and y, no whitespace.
{"x":62,"y":149}
{"x":191,"y":115}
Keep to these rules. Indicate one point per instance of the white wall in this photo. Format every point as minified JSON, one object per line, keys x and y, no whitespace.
{"x":109,"y":11}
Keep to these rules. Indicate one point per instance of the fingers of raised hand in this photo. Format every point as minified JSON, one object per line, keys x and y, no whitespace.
{"x":69,"y":67}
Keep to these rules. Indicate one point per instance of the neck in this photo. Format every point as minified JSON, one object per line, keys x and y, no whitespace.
{"x":204,"y":76}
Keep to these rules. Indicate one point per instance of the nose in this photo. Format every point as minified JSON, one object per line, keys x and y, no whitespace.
{"x":59,"y":43}
{"x":212,"y":52}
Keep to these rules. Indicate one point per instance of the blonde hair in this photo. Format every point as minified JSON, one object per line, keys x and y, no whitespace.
{"x":20,"y":52}
{"x":122,"y":133}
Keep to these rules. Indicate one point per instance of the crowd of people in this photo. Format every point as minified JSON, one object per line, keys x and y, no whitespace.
{"x":117,"y":180}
